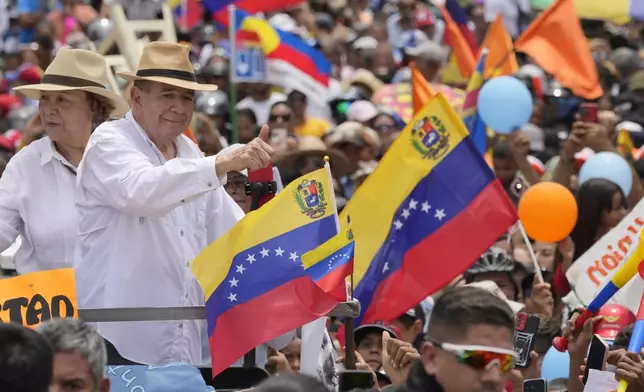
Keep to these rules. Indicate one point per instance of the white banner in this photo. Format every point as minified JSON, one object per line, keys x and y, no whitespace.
{"x":590,"y":272}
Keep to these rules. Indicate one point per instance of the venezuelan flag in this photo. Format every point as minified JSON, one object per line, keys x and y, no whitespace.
{"x":471,"y":117}
{"x":329,"y":264}
{"x":251,"y":6}
{"x":187,"y":16}
{"x":253,"y":278}
{"x":291,"y":62}
{"x":435,"y":220}
{"x":459,"y":16}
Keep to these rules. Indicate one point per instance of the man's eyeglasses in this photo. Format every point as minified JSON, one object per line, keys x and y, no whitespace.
{"x":481,"y":357}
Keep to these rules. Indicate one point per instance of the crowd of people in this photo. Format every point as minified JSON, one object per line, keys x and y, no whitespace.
{"x":128,"y":187}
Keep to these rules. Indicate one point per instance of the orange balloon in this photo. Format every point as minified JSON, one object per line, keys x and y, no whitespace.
{"x":548,"y":212}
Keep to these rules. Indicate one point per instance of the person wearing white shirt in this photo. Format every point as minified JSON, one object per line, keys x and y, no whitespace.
{"x":148,"y":203}
{"x":38,"y":184}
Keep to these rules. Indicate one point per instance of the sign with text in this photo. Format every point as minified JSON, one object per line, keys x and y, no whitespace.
{"x":592,"y":270}
{"x":250,"y":65}
{"x":36,"y":297}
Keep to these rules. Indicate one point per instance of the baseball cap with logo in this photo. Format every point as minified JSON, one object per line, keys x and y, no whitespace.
{"x":614,"y":319}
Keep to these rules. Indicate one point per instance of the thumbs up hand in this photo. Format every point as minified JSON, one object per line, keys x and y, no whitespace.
{"x":253,"y":156}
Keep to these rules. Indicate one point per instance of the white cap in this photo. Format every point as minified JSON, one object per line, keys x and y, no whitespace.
{"x":493,"y":288}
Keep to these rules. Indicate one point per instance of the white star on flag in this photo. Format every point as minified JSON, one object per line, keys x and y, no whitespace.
{"x":250,"y":258}
{"x":398,"y":224}
{"x":385,"y":268}
{"x":264,"y":252}
{"x":279,"y":251}
{"x":232,"y":297}
{"x":425,"y":207}
{"x":440,"y":214}
{"x":412,"y":204}
{"x":293,"y":256}
{"x":233,"y":282}
{"x":241,"y":269}
{"x":405,"y":213}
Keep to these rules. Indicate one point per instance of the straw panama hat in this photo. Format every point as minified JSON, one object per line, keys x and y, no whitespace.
{"x":168,"y":63}
{"x":77,"y":69}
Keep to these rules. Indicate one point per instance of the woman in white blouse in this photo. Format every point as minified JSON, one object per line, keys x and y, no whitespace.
{"x":37,"y":187}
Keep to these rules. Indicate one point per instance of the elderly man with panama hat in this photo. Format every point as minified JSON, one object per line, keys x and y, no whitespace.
{"x":149,"y":202}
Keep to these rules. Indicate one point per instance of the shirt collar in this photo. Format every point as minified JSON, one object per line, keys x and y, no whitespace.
{"x":49,"y":152}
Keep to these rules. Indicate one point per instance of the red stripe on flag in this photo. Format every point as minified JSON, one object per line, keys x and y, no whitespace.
{"x":435,"y":261}
{"x":266,"y":317}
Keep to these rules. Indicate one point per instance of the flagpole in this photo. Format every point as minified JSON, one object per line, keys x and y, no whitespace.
{"x":334,"y":206}
{"x":232,"y":37}
{"x":184,"y":14}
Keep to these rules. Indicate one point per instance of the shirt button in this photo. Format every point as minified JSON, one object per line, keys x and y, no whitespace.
{"x":141,"y":220}
{"x":181,"y":233}
{"x":183,"y":201}
{"x":186,"y":295}
{"x":180,"y":325}
{"x":209,"y":184}
{"x":188,"y":264}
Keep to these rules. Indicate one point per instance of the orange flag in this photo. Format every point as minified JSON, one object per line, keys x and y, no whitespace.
{"x":461,"y":49}
{"x":421,"y":90}
{"x":557,"y":44}
{"x":500,"y":53}
{"x":188,"y":132}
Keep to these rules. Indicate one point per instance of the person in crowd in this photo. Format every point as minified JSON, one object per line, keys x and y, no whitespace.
{"x":260,"y":99}
{"x":73,"y":100}
{"x":291,"y":383}
{"x":464,"y":317}
{"x":80,"y":356}
{"x":282,"y":125}
{"x":410,"y":325}
{"x":26,"y":360}
{"x":368,"y":340}
{"x":303,"y":124}
{"x":143,"y":182}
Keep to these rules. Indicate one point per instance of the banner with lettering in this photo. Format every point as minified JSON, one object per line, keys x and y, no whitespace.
{"x":590,"y":272}
{"x":36,"y":297}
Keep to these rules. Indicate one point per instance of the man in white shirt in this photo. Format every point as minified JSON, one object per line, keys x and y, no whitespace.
{"x":148,"y":203}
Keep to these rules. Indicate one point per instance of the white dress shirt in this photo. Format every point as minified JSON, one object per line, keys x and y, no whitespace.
{"x":142,"y":220}
{"x":37,"y":203}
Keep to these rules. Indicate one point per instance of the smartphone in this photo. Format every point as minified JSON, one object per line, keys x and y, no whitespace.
{"x":352,"y":379}
{"x":597,"y":355}
{"x":535,"y":385}
{"x":589,"y":112}
{"x":279,"y":139}
{"x":526,"y":328}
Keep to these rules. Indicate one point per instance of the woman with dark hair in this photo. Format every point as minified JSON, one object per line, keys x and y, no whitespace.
{"x":602,"y":205}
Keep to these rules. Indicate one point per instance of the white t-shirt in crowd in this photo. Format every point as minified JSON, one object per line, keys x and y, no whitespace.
{"x":262,"y":109}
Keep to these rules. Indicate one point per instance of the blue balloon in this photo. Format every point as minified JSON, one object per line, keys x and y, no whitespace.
{"x":505,"y":104}
{"x":609,"y":166}
{"x":555,"y":365}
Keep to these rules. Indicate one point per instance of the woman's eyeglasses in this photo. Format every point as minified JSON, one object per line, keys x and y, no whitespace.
{"x":279,"y":117}
{"x":384,"y":128}
{"x":481,"y":357}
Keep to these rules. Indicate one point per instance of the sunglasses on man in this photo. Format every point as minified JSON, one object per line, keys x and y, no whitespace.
{"x":481,"y":357}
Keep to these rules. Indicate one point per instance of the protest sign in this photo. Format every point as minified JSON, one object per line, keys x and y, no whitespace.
{"x":33,"y":298}
{"x":590,"y":272}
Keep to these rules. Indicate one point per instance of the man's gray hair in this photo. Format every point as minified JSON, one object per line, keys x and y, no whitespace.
{"x":69,"y":335}
{"x":430,"y":51}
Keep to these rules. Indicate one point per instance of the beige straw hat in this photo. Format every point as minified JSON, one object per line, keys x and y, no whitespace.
{"x":77,"y":69}
{"x":313,"y":146}
{"x":168,"y":63}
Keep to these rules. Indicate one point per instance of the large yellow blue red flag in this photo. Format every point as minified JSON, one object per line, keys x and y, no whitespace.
{"x":471,"y":117}
{"x":432,"y":223}
{"x":253,"y":278}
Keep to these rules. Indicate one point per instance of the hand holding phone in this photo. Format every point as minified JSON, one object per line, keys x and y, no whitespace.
{"x":589,"y":112}
{"x":597,"y":356}
{"x":535,"y":385}
{"x":526,"y":328}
